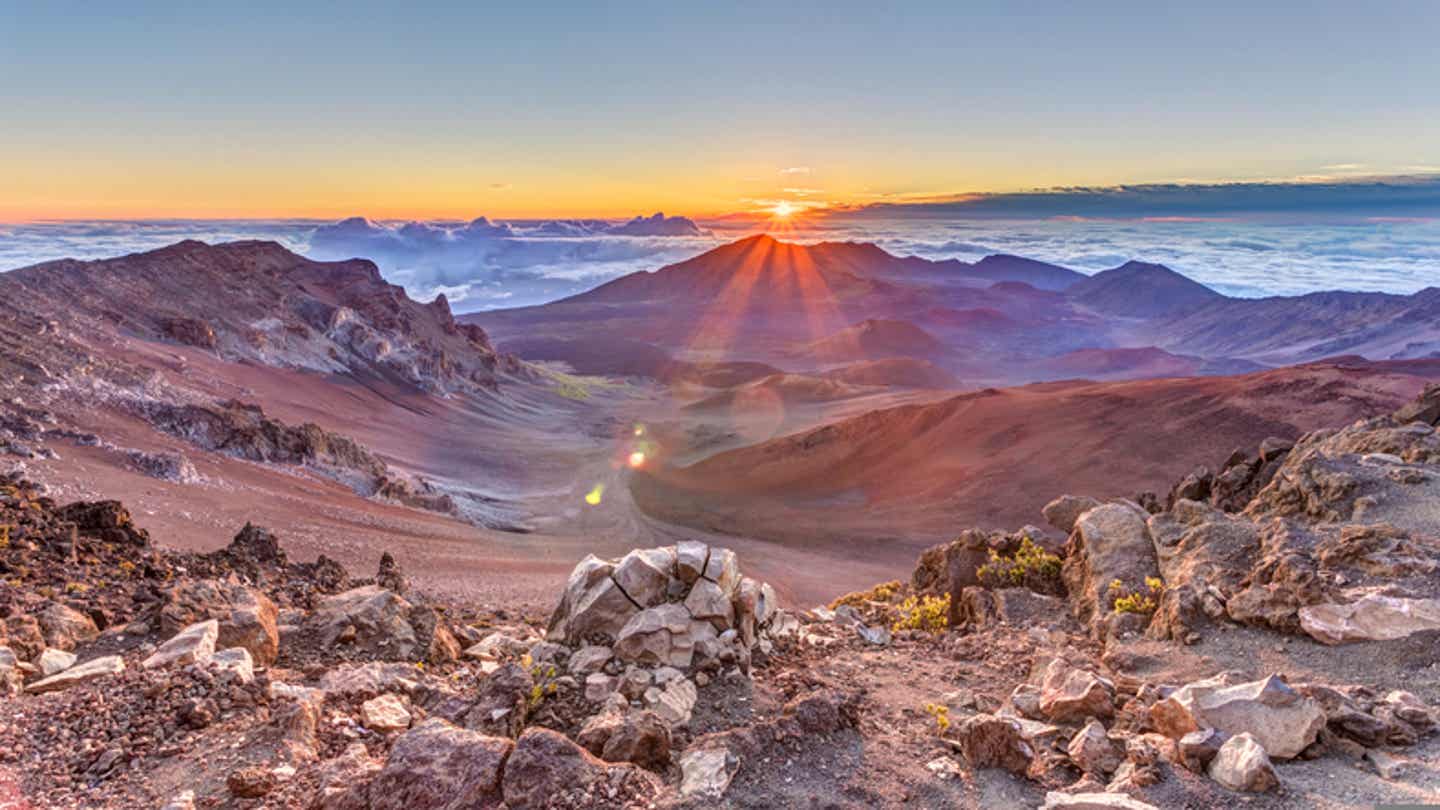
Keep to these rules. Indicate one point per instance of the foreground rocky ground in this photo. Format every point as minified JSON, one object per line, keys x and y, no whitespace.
{"x":1265,"y":634}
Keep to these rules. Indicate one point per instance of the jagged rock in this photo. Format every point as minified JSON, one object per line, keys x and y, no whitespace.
{"x":194,"y":644}
{"x":673,"y":701}
{"x":52,"y":661}
{"x":1069,"y":694}
{"x":590,"y":658}
{"x":502,"y":703}
{"x":236,"y":661}
{"x":81,"y":673}
{"x":369,"y":679}
{"x":706,"y":773}
{"x":707,"y":601}
{"x":599,"y":686}
{"x":1372,"y":617}
{"x":1281,"y":719}
{"x":644,"y":575}
{"x":64,"y":627}
{"x":385,"y":713}
{"x":1193,"y":487}
{"x":1066,"y":509}
{"x":1200,"y":551}
{"x":23,"y":635}
{"x":1243,"y":765}
{"x":650,"y":636}
{"x":723,"y":569}
{"x":1026,"y":700}
{"x":690,"y":558}
{"x":1198,"y":748}
{"x":641,"y":737}
{"x":389,"y":576}
{"x":1092,"y":750}
{"x":991,"y":741}
{"x":1110,"y":542}
{"x":634,"y":682}
{"x":247,"y":617}
{"x":12,"y":682}
{"x":1425,"y":408}
{"x":545,"y":766}
{"x":1093,"y":801}
{"x":436,"y":766}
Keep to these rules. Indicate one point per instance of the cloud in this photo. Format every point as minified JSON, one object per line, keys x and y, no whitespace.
{"x":1407,"y":195}
{"x":793,"y":170}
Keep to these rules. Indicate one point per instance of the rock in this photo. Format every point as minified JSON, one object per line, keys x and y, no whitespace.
{"x":1279,"y":718}
{"x":1425,"y":408}
{"x":368,"y":619}
{"x":194,"y":644}
{"x":250,"y":783}
{"x":64,"y":627}
{"x":81,"y":673}
{"x":385,"y":713}
{"x":247,"y":617}
{"x":674,"y":701}
{"x":1092,"y":750}
{"x":1110,"y":542}
{"x":1093,"y":801}
{"x":1066,"y":509}
{"x":817,"y":713}
{"x":1243,"y":765}
{"x":184,"y":800}
{"x":502,"y":703}
{"x":599,"y":686}
{"x":1373,"y":617}
{"x":1388,"y":766}
{"x":650,"y":637}
{"x":1198,"y":748}
{"x":644,"y":575}
{"x":707,"y":601}
{"x":589,"y":658}
{"x":12,"y":682}
{"x":642,"y":738}
{"x":706,"y":773}
{"x":1068,"y":694}
{"x":52,"y":661}
{"x":1026,"y":700}
{"x":878,"y":635}
{"x":601,"y":613}
{"x":723,"y":568}
{"x":690,"y":558}
{"x":389,"y":576}
{"x":368,"y":680}
{"x":436,"y":766}
{"x":545,"y":766}
{"x":236,"y":661}
{"x":634,"y":683}
{"x":991,"y":741}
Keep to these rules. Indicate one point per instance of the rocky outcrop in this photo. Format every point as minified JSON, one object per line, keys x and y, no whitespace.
{"x":1110,"y":543}
{"x":436,"y":766}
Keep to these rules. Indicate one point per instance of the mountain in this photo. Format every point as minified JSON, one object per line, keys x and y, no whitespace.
{"x":1136,"y":363}
{"x":260,"y":303}
{"x":876,"y":339}
{"x":910,"y":475}
{"x":1141,"y":290}
{"x":899,"y":372}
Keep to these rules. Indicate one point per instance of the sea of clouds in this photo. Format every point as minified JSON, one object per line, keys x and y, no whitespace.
{"x":484,"y":265}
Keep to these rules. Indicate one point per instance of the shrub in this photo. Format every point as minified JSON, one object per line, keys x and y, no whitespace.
{"x":941,"y":713}
{"x":884,"y":592}
{"x":928,"y":613}
{"x":1141,"y":600}
{"x":1030,"y":566}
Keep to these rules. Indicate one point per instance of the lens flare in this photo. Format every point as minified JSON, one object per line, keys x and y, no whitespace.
{"x":637,"y":459}
{"x":593,"y":496}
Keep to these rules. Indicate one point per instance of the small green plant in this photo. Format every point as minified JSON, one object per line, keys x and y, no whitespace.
{"x":928,"y":613}
{"x":941,"y":713}
{"x":1030,"y":566}
{"x":1141,"y":600}
{"x":545,"y":685}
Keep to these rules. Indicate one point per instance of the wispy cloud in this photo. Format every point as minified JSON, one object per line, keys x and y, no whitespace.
{"x":793,"y":170}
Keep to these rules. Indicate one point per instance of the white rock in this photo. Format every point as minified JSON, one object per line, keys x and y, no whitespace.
{"x":385,"y":713}
{"x":1373,"y":617}
{"x":690,"y":557}
{"x":706,"y":773}
{"x":237,"y":661}
{"x":53,"y":661}
{"x":82,"y":673}
{"x":707,"y":601}
{"x":674,"y":702}
{"x":590,"y":658}
{"x":599,"y":686}
{"x":1093,"y":801}
{"x":1282,"y":721}
{"x":1243,"y":765}
{"x":194,"y":644}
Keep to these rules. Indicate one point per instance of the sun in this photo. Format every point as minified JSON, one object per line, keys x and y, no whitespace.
{"x":783,"y":210}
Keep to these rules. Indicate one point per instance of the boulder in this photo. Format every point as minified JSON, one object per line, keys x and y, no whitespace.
{"x":641,"y":737}
{"x":236,"y":661}
{"x":1069,"y":694}
{"x":247,"y":617}
{"x":1066,"y":509}
{"x":546,"y":768}
{"x":1282,"y":720}
{"x":1092,"y":750}
{"x":705,"y":773}
{"x":436,"y":766}
{"x":502,"y":703}
{"x":707,"y":601}
{"x":650,"y":636}
{"x":370,"y":619}
{"x":1198,"y":748}
{"x":194,"y":644}
{"x":64,"y":627}
{"x":690,"y":559}
{"x":644,"y":575}
{"x":1372,"y":617}
{"x":674,"y":701}
{"x":1110,"y":542}
{"x":385,"y":713}
{"x":82,"y":673}
{"x":52,"y":661}
{"x":992,"y":741}
{"x":1242,"y":764}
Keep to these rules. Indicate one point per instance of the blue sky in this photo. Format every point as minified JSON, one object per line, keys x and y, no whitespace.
{"x":421,"y":109}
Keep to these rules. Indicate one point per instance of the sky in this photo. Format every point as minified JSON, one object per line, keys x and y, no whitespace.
{"x":423,"y":110}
